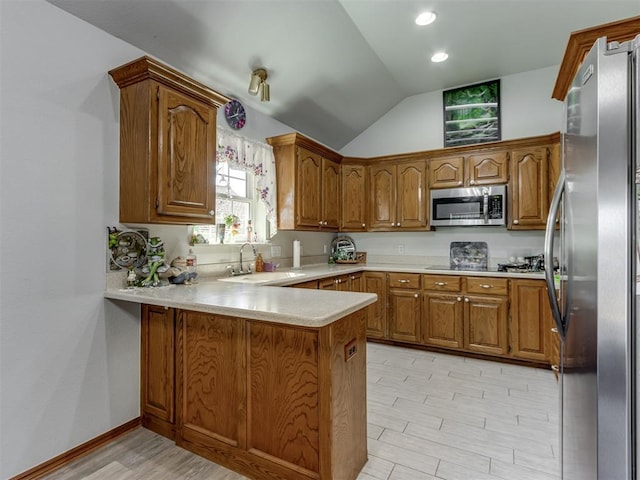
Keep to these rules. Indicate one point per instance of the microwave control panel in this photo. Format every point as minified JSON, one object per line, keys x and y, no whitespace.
{"x":495,"y":207}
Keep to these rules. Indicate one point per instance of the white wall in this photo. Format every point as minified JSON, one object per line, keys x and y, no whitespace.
{"x":415,"y":124}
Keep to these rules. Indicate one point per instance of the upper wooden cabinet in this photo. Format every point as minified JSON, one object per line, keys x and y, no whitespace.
{"x":529,"y":192}
{"x":308,"y":179}
{"x":354,"y":198}
{"x":484,"y":168}
{"x":398,"y":196}
{"x":167,"y":145}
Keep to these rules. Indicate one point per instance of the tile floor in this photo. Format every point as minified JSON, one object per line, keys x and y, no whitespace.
{"x":431,"y":416}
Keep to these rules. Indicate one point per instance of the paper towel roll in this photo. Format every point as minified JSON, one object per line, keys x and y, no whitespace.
{"x":296,"y":254}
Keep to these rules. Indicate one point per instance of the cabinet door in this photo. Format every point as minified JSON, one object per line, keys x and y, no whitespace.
{"x":487,"y":169}
{"x":442,"y":320}
{"x":157,"y":369}
{"x":404,"y":315}
{"x":211,"y":359}
{"x":330,"y":194}
{"x":446,"y":172}
{"x":382,"y":188}
{"x":485,"y":324}
{"x":530,"y":313}
{"x":354,"y":203}
{"x":376,"y":282}
{"x":411,"y":195}
{"x":327,"y":284}
{"x":356,"y":282}
{"x":529,"y":192}
{"x":555,"y":165}
{"x":186,"y":157}
{"x":309,"y":189}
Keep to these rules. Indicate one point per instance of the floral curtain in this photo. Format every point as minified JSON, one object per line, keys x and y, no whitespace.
{"x":255,"y":157}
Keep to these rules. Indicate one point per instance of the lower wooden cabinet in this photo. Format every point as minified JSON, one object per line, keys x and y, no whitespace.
{"x":267,"y":400}
{"x":530,"y":320}
{"x":485,"y":324}
{"x":157,"y":370}
{"x":442,"y":316}
{"x":377,"y":325}
{"x":404,"y":314}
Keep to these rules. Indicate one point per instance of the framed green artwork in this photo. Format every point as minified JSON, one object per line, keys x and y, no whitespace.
{"x":472,"y":114}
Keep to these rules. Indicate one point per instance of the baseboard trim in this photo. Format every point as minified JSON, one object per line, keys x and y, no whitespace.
{"x":81,"y":450}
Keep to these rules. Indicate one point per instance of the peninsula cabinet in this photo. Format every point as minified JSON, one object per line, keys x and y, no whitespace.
{"x":167,"y":145}
{"x":442,"y":312}
{"x":354,"y":198}
{"x":398,"y":196}
{"x":308,"y":180}
{"x":157,"y":370}
{"x":268,"y":400}
{"x":483,"y":168}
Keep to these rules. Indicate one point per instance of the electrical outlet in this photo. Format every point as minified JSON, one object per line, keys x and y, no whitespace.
{"x":325,"y":249}
{"x":276,"y":251}
{"x":401,"y":248}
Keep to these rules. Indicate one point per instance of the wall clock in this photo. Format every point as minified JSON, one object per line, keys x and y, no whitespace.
{"x":235,"y":114}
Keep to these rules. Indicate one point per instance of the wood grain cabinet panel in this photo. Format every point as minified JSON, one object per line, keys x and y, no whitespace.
{"x":442,"y":320}
{"x":404,"y":314}
{"x":309,"y":189}
{"x":382,"y":210}
{"x":354,"y":198}
{"x":157,"y":392}
{"x":376,"y":313}
{"x":485,"y":329}
{"x":167,"y":145}
{"x":530,"y":320}
{"x":446,"y":172}
{"x":489,"y":168}
{"x":530,"y":190}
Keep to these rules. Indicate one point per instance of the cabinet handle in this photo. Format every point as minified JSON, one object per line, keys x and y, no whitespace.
{"x":398,"y":224}
{"x":211,"y":213}
{"x":516,"y":222}
{"x":555,"y":368}
{"x":460,"y":182}
{"x":554,"y":330}
{"x":363,"y":225}
{"x":326,"y":223}
{"x":393,"y":224}
{"x":320,"y":223}
{"x":415,"y":295}
{"x":466,"y":299}
{"x":404,"y":281}
{"x":485,"y":285}
{"x":557,"y":220}
{"x":459,"y":299}
{"x":472,"y":182}
{"x":441,"y":284}
{"x":352,"y":277}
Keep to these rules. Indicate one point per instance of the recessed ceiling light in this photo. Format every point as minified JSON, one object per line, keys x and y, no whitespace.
{"x":425,"y":18}
{"x":439,"y":57}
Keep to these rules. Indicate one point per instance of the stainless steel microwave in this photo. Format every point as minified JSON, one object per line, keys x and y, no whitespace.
{"x":485,"y":205}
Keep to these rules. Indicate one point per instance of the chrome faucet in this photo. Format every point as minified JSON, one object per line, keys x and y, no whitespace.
{"x":242,"y":271}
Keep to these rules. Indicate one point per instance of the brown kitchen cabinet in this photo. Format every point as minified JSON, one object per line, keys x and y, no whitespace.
{"x":529,"y":190}
{"x":405,"y":308}
{"x":486,"y":313}
{"x":167,"y":145}
{"x":482,"y":168}
{"x":354,"y":198}
{"x":442,"y":312}
{"x":157,"y":369}
{"x":530,"y":320}
{"x":377,"y":325}
{"x":398,"y":193}
{"x":308,"y":180}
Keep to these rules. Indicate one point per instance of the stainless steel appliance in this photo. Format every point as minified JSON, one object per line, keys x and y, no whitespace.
{"x":595,"y":311}
{"x":485,"y":205}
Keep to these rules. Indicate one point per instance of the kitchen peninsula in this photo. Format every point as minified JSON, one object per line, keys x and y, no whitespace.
{"x":268,"y":381}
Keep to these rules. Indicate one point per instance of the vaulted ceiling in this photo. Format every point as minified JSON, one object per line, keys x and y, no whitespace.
{"x":336,"y":66}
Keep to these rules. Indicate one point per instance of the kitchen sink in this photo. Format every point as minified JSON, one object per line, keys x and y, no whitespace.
{"x":262,"y":277}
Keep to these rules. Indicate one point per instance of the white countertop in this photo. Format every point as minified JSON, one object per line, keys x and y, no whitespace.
{"x":267,"y":302}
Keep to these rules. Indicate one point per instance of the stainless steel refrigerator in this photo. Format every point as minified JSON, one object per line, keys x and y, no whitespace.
{"x":595,"y":309}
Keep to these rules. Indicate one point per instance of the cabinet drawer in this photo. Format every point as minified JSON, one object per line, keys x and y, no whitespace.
{"x":441,"y":283}
{"x":487,"y":285}
{"x":404,"y":280}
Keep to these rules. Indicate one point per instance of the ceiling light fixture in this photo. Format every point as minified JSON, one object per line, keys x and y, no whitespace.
{"x":425,"y":18}
{"x":439,"y":57}
{"x":259,"y":83}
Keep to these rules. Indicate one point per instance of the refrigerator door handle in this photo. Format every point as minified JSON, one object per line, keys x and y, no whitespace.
{"x":548,"y":253}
